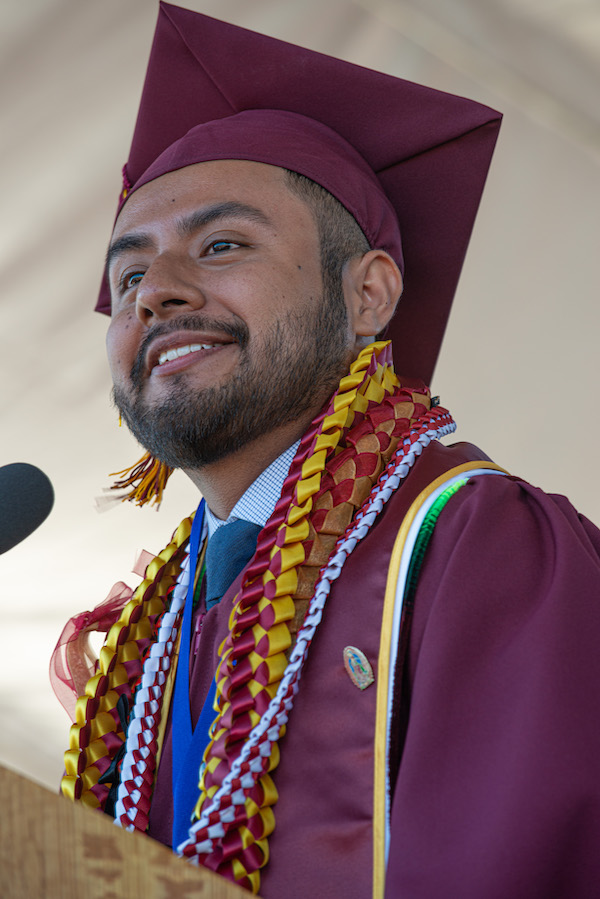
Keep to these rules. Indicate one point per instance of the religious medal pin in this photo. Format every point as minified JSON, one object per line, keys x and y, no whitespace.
{"x":358,"y":667}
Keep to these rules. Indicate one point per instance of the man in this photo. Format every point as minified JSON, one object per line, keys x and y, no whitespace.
{"x":257,"y":254}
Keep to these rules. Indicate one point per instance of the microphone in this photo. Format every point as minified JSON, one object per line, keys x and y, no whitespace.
{"x":26,"y":498}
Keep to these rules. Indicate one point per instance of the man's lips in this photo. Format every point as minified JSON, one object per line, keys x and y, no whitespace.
{"x":170,"y":348}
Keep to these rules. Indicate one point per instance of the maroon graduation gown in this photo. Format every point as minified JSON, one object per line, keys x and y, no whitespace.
{"x":498,"y":788}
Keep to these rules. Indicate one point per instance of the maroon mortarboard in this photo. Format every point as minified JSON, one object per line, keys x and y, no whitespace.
{"x":407,"y":161}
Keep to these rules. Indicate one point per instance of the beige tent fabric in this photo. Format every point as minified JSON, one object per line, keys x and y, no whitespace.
{"x":520,"y":365}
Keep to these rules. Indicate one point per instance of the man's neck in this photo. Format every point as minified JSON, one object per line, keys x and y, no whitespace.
{"x":224,"y":482}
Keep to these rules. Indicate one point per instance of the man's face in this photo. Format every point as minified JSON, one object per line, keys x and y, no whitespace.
{"x":220,"y":332}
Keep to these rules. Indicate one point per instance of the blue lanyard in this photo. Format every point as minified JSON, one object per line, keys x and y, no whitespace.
{"x":188,"y":745}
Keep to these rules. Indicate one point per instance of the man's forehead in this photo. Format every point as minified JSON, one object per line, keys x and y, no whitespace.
{"x":227,"y":192}
{"x":244,"y":184}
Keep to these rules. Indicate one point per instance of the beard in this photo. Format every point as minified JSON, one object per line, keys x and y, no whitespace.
{"x":295,"y":367}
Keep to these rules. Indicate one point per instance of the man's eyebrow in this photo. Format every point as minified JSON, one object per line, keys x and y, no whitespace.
{"x":193,"y":222}
{"x":132,"y":241}
{"x":188,"y":226}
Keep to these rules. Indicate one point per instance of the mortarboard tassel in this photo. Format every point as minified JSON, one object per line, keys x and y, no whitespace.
{"x":147,"y":477}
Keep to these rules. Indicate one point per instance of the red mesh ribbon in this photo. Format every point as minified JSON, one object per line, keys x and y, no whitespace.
{"x":73,"y":661}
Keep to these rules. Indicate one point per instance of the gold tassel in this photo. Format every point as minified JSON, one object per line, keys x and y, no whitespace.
{"x":148,"y":477}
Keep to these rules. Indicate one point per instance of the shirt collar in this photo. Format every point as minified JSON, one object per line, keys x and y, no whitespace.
{"x":259,"y":500}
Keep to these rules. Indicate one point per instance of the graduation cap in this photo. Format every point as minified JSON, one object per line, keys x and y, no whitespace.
{"x":407,"y":161}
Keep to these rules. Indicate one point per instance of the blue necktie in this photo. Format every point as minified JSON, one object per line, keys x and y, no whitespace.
{"x":229,"y":550}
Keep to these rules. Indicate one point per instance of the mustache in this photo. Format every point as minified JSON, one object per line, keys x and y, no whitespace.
{"x":192,"y":321}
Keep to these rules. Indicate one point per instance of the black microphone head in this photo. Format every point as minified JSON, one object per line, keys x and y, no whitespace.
{"x":26,"y":498}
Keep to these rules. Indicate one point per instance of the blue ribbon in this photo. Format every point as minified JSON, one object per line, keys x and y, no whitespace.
{"x":188,"y":745}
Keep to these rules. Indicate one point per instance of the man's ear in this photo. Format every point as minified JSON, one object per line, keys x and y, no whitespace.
{"x":372,"y":286}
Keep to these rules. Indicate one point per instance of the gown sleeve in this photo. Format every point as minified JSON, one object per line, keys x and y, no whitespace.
{"x":498,"y":790}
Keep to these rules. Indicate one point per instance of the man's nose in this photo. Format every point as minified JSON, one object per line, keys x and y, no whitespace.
{"x":165,"y":286}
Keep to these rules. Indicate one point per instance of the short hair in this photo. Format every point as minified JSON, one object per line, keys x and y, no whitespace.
{"x":340,"y":235}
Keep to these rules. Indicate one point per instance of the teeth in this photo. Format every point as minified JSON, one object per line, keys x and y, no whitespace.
{"x":169,"y":355}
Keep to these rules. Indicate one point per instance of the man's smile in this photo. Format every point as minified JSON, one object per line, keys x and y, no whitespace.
{"x":177,"y":358}
{"x":172,"y":348}
{"x":184,"y":351}
{"x":164,"y":352}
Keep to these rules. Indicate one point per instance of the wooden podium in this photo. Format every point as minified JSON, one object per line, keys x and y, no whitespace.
{"x":51,"y":848}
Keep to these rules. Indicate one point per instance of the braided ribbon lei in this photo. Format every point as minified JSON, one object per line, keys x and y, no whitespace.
{"x":354,"y":457}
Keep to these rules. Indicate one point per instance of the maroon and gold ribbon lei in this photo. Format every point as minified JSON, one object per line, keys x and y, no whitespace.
{"x":338,"y":462}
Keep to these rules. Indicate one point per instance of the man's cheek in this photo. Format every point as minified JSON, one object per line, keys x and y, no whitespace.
{"x":120,"y":348}
{"x":115,"y":361}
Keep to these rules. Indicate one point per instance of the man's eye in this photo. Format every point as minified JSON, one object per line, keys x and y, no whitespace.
{"x":221,"y":246}
{"x":132,"y":279}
